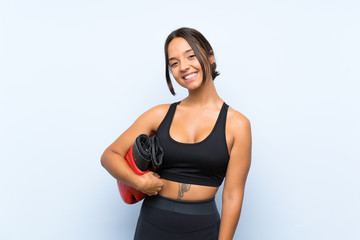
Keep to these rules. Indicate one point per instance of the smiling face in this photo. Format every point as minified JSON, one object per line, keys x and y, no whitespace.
{"x":185,"y":40}
{"x":184,"y":64}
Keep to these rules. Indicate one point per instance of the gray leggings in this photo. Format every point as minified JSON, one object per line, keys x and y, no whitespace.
{"x":166,"y":218}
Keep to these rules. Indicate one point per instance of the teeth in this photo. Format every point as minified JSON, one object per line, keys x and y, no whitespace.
{"x":189,"y":76}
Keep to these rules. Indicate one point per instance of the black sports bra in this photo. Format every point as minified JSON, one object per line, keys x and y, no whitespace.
{"x":201,"y":163}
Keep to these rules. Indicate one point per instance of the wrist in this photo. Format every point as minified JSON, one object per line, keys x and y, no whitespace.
{"x":138,"y":183}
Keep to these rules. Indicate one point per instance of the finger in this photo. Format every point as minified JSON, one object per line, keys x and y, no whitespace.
{"x":156,"y":175}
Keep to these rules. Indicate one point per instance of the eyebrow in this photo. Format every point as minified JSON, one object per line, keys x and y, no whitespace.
{"x":189,"y":50}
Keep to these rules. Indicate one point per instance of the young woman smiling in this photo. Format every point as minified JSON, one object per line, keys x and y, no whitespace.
{"x":204,"y":141}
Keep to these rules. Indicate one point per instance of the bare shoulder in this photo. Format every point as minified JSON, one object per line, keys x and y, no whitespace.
{"x":147,"y":123}
{"x":237,"y":122}
{"x":158,"y":110}
{"x":154,"y":115}
{"x":238,"y":129}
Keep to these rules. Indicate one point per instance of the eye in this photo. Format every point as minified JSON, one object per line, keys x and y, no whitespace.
{"x":173,"y":64}
{"x":192,"y":56}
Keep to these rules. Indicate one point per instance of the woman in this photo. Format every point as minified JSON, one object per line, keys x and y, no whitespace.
{"x":203,"y":140}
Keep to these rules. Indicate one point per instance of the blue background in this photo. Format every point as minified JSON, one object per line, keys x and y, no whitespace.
{"x":75,"y":74}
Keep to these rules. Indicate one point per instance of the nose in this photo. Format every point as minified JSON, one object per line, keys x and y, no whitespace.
{"x":184,"y":66}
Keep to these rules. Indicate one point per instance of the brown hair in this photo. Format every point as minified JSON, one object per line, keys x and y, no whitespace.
{"x":199,"y":45}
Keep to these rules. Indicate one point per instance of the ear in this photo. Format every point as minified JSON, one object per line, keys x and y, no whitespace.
{"x":211,"y":58}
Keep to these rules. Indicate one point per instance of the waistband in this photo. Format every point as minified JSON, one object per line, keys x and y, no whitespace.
{"x":202,"y":207}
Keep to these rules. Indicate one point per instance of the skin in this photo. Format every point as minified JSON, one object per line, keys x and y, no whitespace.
{"x":193,"y":121}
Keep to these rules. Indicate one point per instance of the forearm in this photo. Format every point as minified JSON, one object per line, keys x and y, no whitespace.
{"x":230,"y":214}
{"x":116,"y":165}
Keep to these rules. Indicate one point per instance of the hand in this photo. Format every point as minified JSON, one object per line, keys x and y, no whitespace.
{"x":150,"y":183}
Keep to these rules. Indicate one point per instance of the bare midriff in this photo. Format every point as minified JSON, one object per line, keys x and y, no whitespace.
{"x":183,"y":191}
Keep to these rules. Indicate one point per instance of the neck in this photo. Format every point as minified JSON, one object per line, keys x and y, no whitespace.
{"x":204,"y":96}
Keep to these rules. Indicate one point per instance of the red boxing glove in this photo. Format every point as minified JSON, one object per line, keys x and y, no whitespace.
{"x":145,"y":154}
{"x":139,"y":159}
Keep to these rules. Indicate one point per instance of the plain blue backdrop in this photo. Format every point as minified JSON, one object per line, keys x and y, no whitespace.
{"x":75,"y":74}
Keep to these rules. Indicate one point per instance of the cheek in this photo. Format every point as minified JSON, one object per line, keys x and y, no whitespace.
{"x":175,"y":72}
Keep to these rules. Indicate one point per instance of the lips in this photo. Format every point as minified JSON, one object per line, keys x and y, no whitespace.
{"x":190,"y":76}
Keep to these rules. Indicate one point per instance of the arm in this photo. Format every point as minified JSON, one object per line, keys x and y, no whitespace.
{"x":238,"y":168}
{"x":113,"y":157}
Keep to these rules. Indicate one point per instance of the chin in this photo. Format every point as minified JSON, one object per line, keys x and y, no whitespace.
{"x":193,"y":86}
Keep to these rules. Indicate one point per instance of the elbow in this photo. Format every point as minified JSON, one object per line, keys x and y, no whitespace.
{"x":103,"y":159}
{"x":107,"y":157}
{"x":233,"y":196}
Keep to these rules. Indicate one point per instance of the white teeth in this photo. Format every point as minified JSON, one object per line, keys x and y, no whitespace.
{"x":189,"y":76}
